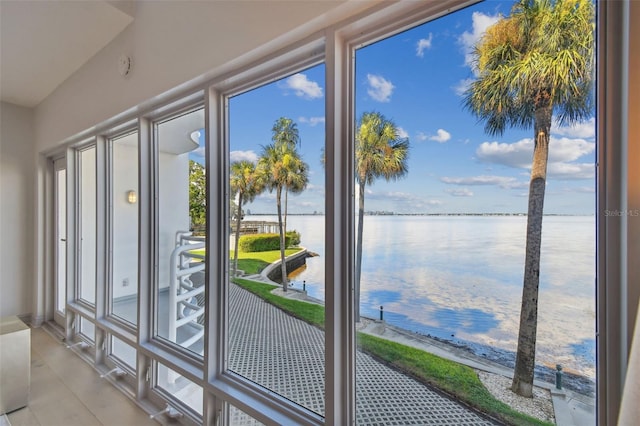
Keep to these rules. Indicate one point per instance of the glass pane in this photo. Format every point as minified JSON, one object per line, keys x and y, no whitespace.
{"x":441,"y":208}
{"x":277,"y":177}
{"x":87,"y":329}
{"x":181,"y":211}
{"x":237,"y":417}
{"x":180,"y":388}
{"x":123,"y":352}
{"x":124,"y":238}
{"x":61,"y":238}
{"x":87,"y":219}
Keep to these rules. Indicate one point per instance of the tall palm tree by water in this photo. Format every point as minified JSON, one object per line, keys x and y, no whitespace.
{"x":285,"y":131}
{"x":380,"y":152}
{"x":247,"y":183}
{"x":533,"y":64}
{"x":282,"y":167}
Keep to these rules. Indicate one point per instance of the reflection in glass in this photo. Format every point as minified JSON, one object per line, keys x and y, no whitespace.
{"x":124,"y":237}
{"x":87,"y":329}
{"x":87,"y":219}
{"x":61,"y":238}
{"x":181,"y":215}
{"x":179,"y":387}
{"x":237,"y":417}
{"x":123,"y":352}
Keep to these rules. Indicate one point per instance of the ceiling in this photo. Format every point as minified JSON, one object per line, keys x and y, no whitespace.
{"x":43,"y":42}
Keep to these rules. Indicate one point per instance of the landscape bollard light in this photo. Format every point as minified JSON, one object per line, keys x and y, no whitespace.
{"x":381,"y":313}
{"x":558,"y":376}
{"x":304,"y":285}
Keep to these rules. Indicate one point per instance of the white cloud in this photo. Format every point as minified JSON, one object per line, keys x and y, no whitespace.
{"x":459,"y":192}
{"x":562,"y":153}
{"x":480,"y":23}
{"x":243,"y":156}
{"x":302,"y":86}
{"x":379,"y":89}
{"x":501,"y":181}
{"x":571,"y":171}
{"x":311,"y":121}
{"x":423,"y":44}
{"x":575,"y":190}
{"x":421,"y":136}
{"x":462,"y":86}
{"x":585,"y":130}
{"x":402,"y":133}
{"x":519,"y":154}
{"x":398,"y":201}
{"x":565,"y":149}
{"x":199,"y":152}
{"x":585,"y":189}
{"x":441,"y":136}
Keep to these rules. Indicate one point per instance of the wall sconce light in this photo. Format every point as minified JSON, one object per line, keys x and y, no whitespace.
{"x":132,"y":197}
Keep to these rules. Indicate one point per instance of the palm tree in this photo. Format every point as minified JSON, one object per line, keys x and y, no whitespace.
{"x":380,"y":152}
{"x":281,"y":167}
{"x":296,"y":182}
{"x":247,"y":183}
{"x":285,"y":132}
{"x":531,"y":65}
{"x":197,"y":195}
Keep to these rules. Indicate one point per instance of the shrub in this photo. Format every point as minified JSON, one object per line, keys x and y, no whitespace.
{"x":267,"y":242}
{"x":292,"y":239}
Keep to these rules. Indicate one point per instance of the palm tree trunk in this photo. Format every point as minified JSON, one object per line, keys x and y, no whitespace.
{"x":359,"y":250}
{"x":286,"y":203}
{"x":283,"y":264}
{"x":526,"y":353}
{"x":237,"y":239}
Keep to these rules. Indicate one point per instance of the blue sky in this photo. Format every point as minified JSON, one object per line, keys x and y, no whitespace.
{"x":415,"y":79}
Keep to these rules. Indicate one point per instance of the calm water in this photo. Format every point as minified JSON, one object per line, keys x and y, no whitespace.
{"x":460,"y":278}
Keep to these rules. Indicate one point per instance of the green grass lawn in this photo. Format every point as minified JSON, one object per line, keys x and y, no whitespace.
{"x":309,"y":312}
{"x":254,"y":262}
{"x":450,"y":377}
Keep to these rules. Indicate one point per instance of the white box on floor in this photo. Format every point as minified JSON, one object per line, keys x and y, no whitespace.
{"x":15,"y":364}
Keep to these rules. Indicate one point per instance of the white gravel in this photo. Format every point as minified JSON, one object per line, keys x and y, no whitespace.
{"x":540,"y":406}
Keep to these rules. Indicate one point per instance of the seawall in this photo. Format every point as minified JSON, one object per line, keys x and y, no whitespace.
{"x":274,"y":273}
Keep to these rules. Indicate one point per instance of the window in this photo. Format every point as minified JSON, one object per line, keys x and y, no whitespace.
{"x":441,"y":231}
{"x":179,"y":388}
{"x":124,"y":353}
{"x":433,"y":262}
{"x":181,"y":223}
{"x":87,"y":225}
{"x":124,"y":229}
{"x":276,"y":143}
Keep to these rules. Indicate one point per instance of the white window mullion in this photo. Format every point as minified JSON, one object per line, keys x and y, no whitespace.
{"x":146,"y":196}
{"x":102,"y":208}
{"x":339,"y":324}
{"x":217,"y":247}
{"x":72,"y":232}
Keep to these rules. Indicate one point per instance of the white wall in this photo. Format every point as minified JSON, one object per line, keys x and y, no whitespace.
{"x":17,"y":180}
{"x":173,"y":205}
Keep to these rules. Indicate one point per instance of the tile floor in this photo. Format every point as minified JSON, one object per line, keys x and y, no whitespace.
{"x":66,"y":391}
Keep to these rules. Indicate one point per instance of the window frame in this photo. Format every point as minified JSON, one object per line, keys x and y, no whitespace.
{"x":336,"y":44}
{"x":109,"y":139}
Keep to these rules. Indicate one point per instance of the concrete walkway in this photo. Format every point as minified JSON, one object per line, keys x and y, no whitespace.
{"x":286,"y":355}
{"x":570,"y":408}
